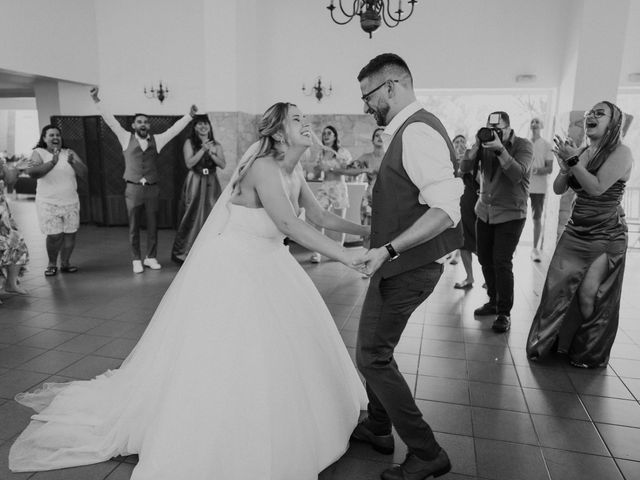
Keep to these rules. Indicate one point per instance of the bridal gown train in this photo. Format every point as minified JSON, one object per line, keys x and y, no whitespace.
{"x":241,"y":374}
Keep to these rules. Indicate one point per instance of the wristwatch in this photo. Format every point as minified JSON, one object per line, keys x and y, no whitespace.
{"x":572,"y":161}
{"x":392,"y":251}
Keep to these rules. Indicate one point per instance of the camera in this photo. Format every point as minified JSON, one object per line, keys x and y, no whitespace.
{"x":486,"y":134}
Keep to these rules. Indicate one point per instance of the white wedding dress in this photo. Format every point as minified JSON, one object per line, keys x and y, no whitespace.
{"x":241,"y":374}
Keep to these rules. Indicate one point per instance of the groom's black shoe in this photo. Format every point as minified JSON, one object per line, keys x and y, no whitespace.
{"x":380,"y":443}
{"x":414,"y":468}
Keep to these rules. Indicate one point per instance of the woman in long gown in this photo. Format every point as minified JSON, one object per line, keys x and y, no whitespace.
{"x":580,"y":302}
{"x":241,"y":373}
{"x":202,"y":156}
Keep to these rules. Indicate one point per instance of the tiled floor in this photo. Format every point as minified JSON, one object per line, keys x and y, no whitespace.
{"x":498,"y":416}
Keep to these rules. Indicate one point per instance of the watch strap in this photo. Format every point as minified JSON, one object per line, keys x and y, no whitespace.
{"x":392,"y":251}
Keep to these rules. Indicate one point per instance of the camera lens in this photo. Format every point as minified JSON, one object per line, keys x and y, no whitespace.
{"x":485,"y":134}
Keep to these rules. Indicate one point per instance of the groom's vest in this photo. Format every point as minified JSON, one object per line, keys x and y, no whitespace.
{"x":395,"y":205}
{"x":139,"y":163}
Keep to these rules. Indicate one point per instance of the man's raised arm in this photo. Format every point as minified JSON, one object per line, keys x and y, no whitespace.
{"x":165,"y":137}
{"x":114,"y":125}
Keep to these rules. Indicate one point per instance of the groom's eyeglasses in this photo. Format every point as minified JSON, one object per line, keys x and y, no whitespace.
{"x":365,"y":97}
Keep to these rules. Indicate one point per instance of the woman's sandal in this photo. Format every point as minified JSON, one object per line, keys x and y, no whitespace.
{"x":464,"y":285}
{"x":50,"y":271}
{"x":69,"y":269}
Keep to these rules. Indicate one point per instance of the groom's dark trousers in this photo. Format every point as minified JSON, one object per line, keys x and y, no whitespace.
{"x":387,"y":307}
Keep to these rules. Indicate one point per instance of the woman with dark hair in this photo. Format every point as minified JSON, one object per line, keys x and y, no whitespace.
{"x":468,"y":214}
{"x":202,"y":156}
{"x":580,"y":303}
{"x":57,"y":202}
{"x":332,"y":161}
{"x":280,"y":396}
{"x":14,"y":255}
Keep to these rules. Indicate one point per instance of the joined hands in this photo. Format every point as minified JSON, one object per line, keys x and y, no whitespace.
{"x":369,"y":261}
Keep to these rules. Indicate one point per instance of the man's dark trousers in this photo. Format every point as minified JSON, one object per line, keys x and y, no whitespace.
{"x":138,"y":197}
{"x":387,"y":307}
{"x":496,"y":244}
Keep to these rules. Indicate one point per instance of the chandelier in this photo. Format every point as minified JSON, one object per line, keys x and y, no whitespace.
{"x":318,"y":90}
{"x":160,"y":92}
{"x":371,"y":13}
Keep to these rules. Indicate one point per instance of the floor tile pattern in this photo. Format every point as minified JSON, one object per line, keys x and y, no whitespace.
{"x":498,"y":416}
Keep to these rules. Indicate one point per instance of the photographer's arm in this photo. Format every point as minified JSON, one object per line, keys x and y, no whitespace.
{"x":516,"y":166}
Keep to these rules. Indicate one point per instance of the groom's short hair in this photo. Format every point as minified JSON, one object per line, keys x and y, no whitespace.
{"x":386,"y":62}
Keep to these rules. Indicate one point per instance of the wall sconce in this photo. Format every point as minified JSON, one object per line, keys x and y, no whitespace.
{"x":318,"y":90}
{"x":160,"y":92}
{"x":526,"y":78}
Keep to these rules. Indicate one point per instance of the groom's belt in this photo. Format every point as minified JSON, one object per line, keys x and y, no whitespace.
{"x":143,"y":183}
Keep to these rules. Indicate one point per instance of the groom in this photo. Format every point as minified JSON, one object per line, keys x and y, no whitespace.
{"x":414,"y":223}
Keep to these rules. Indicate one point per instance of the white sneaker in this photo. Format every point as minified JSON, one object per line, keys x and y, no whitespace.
{"x":137,"y":266}
{"x":535,"y":255}
{"x":152,"y":263}
{"x":315,"y":258}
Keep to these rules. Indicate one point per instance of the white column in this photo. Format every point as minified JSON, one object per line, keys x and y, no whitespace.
{"x":591,"y":74}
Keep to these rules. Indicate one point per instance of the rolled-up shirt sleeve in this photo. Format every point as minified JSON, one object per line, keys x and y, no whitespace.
{"x":425,"y":157}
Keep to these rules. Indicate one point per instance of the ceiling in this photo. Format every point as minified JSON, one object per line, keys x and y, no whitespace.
{"x":16,"y":85}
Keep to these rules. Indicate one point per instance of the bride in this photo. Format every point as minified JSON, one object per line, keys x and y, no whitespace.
{"x":241,"y":373}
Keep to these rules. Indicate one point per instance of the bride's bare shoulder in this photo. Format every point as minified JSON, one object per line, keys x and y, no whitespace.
{"x":262,"y":167}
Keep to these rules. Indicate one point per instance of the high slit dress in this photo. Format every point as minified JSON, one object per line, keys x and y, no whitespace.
{"x":596,"y":227}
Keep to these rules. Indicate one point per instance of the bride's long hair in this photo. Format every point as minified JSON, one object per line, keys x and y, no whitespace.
{"x":272,"y":122}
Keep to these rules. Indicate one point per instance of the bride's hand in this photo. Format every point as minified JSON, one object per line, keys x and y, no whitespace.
{"x":355,"y":259}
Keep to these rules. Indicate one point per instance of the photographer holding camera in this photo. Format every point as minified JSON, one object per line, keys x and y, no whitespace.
{"x":504,"y":161}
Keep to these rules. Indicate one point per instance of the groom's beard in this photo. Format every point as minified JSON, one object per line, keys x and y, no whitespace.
{"x":380,"y":115}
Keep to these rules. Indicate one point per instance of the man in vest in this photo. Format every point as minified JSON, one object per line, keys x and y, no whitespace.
{"x":415,"y":216}
{"x":141,"y":150}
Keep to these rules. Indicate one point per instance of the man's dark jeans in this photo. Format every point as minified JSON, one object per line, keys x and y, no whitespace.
{"x":387,"y":307}
{"x":496,"y":244}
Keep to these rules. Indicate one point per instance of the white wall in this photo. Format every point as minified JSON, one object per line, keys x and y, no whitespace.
{"x":50,"y":38}
{"x":631,"y":54}
{"x":27,"y":103}
{"x":243,"y":56}
{"x":144,"y":41}
{"x":447,"y":44}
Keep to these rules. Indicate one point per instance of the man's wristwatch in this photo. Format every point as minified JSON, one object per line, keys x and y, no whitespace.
{"x":392,"y":251}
